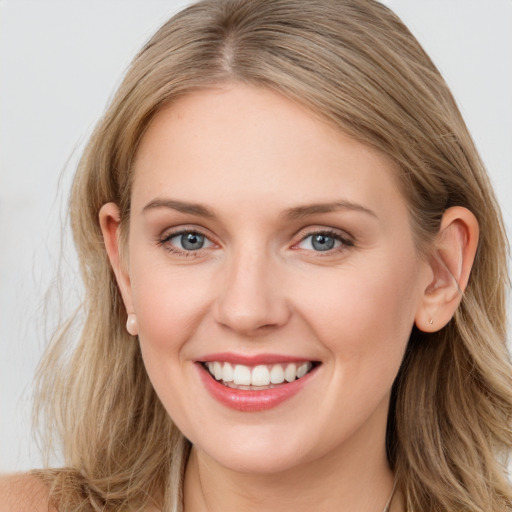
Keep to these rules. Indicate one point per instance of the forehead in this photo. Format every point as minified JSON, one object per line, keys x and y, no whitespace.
{"x":254,"y":146}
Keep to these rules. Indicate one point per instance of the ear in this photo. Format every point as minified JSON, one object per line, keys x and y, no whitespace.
{"x":110,"y":221}
{"x":451,"y":260}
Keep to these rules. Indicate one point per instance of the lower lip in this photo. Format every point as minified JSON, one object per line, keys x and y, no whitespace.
{"x":252,"y":401}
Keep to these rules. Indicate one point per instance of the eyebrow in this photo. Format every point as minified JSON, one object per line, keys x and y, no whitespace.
{"x":300,"y":212}
{"x":295,"y":213}
{"x":180,"y":206}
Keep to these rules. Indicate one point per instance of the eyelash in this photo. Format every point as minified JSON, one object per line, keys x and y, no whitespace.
{"x":165,"y":242}
{"x":344,"y":242}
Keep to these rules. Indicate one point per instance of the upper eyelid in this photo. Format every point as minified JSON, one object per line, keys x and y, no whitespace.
{"x":178,"y":232}
{"x":303,"y":233}
{"x":187,"y":231}
{"x":169,"y":233}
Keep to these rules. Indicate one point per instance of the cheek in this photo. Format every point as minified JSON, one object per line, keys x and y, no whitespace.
{"x":365,"y":309}
{"x":170,"y":303}
{"x":363,"y":316}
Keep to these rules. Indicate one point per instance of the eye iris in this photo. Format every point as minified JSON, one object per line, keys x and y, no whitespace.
{"x":192,"y":241}
{"x":322,"y":242}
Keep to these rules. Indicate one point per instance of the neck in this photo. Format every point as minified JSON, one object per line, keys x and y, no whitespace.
{"x":346,"y":479}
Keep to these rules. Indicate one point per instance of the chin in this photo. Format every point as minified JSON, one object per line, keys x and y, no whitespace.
{"x":269,"y":462}
{"x":260,"y":450}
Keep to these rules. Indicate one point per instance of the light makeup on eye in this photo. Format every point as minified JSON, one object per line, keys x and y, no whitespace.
{"x":324,"y":241}
{"x":193,"y":242}
{"x":185,"y":242}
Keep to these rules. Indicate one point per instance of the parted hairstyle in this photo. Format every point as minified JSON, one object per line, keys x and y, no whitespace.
{"x":354,"y":64}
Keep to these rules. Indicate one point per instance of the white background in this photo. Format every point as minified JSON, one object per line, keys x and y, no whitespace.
{"x":60,"y":62}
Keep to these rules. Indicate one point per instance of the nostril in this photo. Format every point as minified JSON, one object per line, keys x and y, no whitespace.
{"x":253,"y":322}
{"x":250,"y":300}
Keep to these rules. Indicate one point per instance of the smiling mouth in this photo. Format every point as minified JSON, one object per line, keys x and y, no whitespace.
{"x":258,"y":377}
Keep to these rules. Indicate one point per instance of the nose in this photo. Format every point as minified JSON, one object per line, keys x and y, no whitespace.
{"x":251,"y":301}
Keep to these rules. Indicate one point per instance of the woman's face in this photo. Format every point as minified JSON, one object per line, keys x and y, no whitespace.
{"x":265,"y":244}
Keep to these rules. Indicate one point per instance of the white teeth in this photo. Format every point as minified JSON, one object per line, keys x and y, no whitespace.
{"x":242,"y":375}
{"x":260,"y":375}
{"x":277,"y":374}
{"x":217,"y":370}
{"x":290,"y":372}
{"x":227,"y":373}
{"x":303,"y":369}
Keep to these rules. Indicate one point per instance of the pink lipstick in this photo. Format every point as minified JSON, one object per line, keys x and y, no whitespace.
{"x":254,"y":383}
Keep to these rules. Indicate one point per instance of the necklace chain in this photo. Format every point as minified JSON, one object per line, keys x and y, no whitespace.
{"x":388,"y":504}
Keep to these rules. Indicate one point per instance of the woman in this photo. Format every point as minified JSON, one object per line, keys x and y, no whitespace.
{"x":295,"y":272}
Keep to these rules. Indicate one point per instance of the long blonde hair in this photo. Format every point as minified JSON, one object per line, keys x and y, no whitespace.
{"x":355,"y":64}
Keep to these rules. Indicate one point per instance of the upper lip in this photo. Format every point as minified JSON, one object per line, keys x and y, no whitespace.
{"x":253,"y":359}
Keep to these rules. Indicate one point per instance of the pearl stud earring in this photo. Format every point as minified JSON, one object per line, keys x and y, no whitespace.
{"x":131,"y":324}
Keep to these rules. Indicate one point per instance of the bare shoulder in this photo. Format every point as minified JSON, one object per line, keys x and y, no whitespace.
{"x":23,"y":492}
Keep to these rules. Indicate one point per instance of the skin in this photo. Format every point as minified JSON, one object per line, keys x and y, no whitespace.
{"x":250,"y":157}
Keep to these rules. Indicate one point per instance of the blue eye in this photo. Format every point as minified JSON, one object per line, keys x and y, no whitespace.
{"x":189,"y":241}
{"x":322,"y":242}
